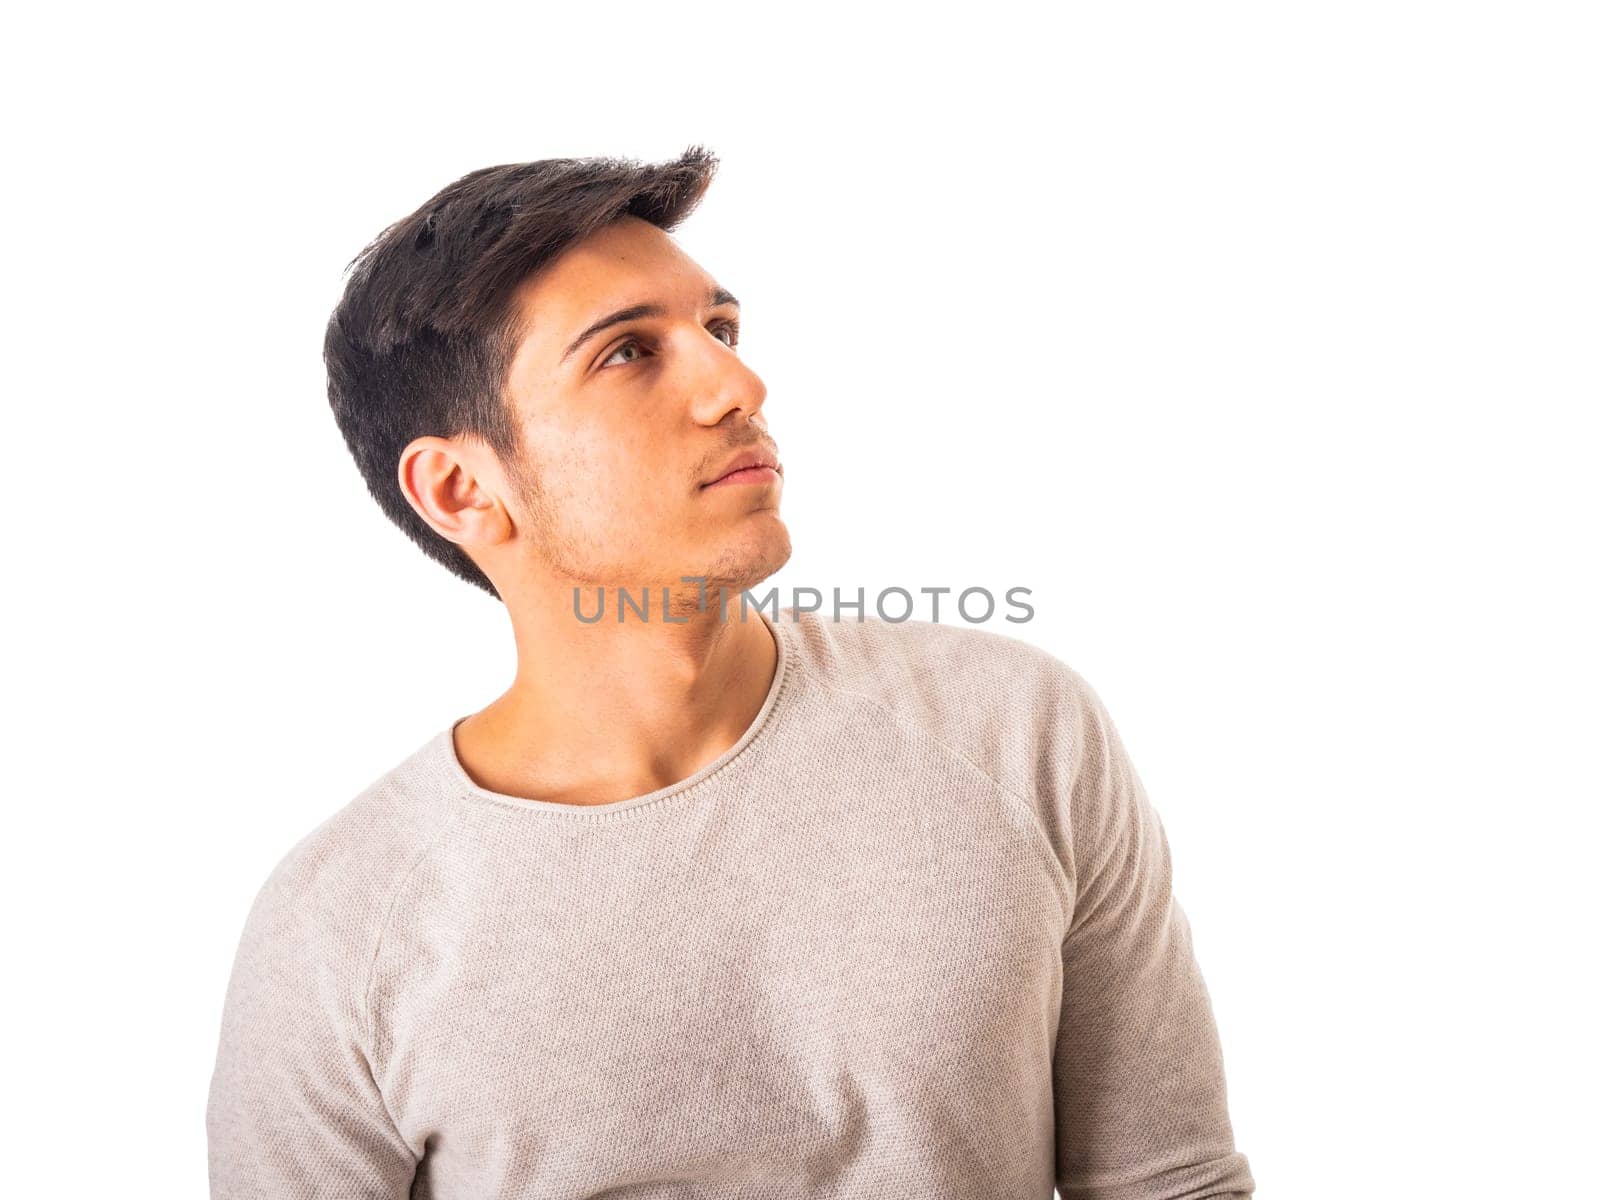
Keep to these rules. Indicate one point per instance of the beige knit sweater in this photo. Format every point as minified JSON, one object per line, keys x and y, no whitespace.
{"x":913,"y":936}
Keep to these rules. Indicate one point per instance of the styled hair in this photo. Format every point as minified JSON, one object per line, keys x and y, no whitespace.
{"x":422,"y":339}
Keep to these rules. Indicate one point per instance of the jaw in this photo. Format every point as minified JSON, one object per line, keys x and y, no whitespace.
{"x":753,"y":549}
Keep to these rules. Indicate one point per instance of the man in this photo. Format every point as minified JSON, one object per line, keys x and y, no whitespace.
{"x":708,"y":903}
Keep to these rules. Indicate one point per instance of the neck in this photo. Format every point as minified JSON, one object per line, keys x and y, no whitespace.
{"x":616,"y":709}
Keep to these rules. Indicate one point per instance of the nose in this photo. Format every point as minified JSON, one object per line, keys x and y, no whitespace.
{"x":723,"y":383}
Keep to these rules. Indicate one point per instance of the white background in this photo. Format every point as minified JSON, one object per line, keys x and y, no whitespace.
{"x":1257,"y":339}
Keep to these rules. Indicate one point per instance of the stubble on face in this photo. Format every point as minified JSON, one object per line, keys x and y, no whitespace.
{"x":552,"y":540}
{"x":558,"y":512}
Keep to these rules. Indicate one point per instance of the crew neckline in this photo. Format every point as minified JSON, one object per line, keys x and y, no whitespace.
{"x":443,"y":754}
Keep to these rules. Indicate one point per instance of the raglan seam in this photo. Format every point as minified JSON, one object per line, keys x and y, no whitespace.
{"x":446,"y":826}
{"x":1041,"y":840}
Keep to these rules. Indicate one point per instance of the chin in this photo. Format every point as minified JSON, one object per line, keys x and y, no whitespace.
{"x":754,"y":553}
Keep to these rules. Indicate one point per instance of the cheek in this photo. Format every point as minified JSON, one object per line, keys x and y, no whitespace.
{"x":576,"y":458}
{"x":599,"y":470}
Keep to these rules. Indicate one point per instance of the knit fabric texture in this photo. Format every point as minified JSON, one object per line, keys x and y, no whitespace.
{"x":913,"y":936}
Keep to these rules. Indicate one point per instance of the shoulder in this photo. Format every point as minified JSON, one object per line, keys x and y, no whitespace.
{"x":1012,"y":708}
{"x":329,"y":894}
{"x":294,"y":1049}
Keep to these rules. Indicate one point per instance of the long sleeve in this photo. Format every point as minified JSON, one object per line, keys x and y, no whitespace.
{"x":1141,"y":1102}
{"x":293,"y":1111}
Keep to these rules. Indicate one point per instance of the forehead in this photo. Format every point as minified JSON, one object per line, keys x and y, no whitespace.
{"x":627,"y":262}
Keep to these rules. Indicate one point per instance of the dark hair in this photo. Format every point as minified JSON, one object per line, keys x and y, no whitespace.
{"x":422,"y":339}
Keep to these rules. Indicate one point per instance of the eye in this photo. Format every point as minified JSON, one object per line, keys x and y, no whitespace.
{"x":726,"y":331}
{"x":630,"y":344}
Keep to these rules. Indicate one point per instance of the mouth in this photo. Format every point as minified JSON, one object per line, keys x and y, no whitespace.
{"x":753,"y":467}
{"x":744,"y":475}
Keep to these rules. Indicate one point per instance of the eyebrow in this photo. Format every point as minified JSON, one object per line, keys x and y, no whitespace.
{"x":717,"y":296}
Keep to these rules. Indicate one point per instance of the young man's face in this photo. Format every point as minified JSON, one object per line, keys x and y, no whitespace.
{"x":624,"y":429}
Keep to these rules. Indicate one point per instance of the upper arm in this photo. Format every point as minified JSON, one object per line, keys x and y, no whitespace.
{"x":293,"y":1110}
{"x":1141,"y":1101}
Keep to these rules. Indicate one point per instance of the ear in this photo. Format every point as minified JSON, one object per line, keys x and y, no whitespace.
{"x":454,"y":485}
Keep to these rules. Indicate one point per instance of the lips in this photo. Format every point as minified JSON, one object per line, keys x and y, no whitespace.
{"x":752,"y":466}
{"x":746,"y":475}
